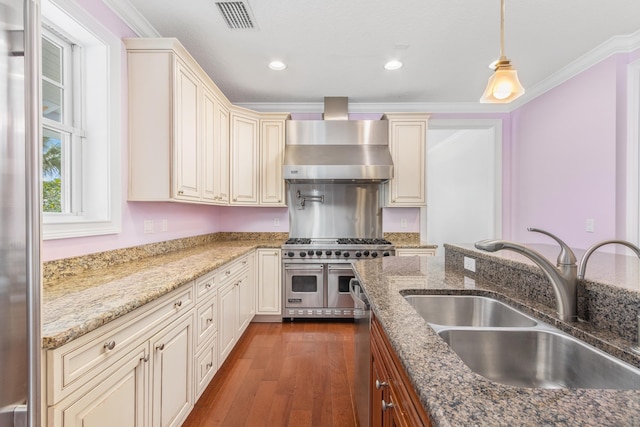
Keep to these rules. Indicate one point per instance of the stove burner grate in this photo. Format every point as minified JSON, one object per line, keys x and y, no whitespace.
{"x":357,"y":241}
{"x":298,"y":241}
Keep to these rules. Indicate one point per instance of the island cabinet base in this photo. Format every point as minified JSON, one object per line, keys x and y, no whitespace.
{"x":393,"y":400}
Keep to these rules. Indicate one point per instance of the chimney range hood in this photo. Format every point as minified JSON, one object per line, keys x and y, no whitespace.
{"x":336,"y":149}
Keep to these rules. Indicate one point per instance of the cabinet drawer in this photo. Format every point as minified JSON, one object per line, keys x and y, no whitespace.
{"x":206,"y":365}
{"x":77,"y":362}
{"x":206,"y":285}
{"x":206,"y":318}
{"x":230,"y":271}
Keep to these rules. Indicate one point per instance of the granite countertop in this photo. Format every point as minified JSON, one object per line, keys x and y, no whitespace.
{"x":111,"y":291}
{"x":408,"y":240}
{"x":450,"y":392}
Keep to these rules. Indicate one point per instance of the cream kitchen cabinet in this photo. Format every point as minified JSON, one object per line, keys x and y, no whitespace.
{"x":220,"y":162}
{"x":272,"y":185}
{"x":245,"y":170}
{"x":415,"y":251}
{"x":236,"y":304}
{"x":135,"y":370}
{"x":268,"y":283}
{"x":408,"y":145}
{"x":206,"y":338}
{"x":174,"y":121}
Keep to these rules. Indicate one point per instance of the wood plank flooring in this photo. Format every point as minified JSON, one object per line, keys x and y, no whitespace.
{"x":283,"y":374}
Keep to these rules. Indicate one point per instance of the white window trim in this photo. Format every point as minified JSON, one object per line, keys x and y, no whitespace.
{"x":102,"y":198}
{"x":633,"y":153}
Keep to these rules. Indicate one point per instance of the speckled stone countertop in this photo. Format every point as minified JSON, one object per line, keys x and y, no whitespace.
{"x":102,"y":291}
{"x":450,"y":392}
{"x":407,"y":240}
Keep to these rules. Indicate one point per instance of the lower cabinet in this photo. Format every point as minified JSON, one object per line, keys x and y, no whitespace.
{"x":172,"y":385}
{"x":393,"y":400}
{"x":269,"y":283}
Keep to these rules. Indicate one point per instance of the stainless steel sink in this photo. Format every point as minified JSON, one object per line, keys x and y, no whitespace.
{"x":467,"y":310}
{"x":539,"y":358}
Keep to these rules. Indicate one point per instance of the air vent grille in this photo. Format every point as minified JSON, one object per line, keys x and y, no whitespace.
{"x":237,"y":15}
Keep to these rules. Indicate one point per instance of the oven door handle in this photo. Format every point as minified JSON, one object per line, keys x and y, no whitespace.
{"x":345,"y":267}
{"x":304,"y":269}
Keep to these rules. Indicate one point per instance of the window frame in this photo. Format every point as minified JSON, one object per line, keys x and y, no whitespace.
{"x":96,"y":185}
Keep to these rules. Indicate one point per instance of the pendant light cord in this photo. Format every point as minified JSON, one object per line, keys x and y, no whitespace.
{"x":502,"y":29}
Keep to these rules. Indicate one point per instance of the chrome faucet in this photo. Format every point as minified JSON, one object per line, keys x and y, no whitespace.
{"x":563,"y":277}
{"x":583,"y":262}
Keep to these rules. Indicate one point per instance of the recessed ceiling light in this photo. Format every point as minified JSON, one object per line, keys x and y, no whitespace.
{"x":393,"y":65}
{"x":277,"y":65}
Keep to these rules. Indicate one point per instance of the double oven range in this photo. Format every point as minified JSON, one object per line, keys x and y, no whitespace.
{"x":317,"y":273}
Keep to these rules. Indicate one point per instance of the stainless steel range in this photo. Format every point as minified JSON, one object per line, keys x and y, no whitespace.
{"x":334,"y":168}
{"x":317,"y":274}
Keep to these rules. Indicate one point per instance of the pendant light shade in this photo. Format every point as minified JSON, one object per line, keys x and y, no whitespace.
{"x":503,"y":86}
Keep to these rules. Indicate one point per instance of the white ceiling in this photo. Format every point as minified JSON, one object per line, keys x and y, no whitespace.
{"x":339,"y":47}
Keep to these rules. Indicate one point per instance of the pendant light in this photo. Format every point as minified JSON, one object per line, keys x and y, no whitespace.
{"x":503,"y":86}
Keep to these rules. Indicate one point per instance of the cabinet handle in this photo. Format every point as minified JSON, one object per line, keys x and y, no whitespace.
{"x":379,"y":384}
{"x":145,"y":358}
{"x":386,"y":405}
{"x":228,"y":272}
{"x":180,"y":192}
{"x":160,"y":347}
{"x":177,"y":304}
{"x":209,"y":365}
{"x":244,"y":262}
{"x":109,"y":345}
{"x":209,"y":320}
{"x":279,"y":200}
{"x":235,"y":199}
{"x":208,"y":286}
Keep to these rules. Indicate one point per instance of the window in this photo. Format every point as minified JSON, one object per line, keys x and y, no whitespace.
{"x":80,"y":123}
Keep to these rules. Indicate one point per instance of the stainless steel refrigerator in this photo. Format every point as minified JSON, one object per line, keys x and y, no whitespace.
{"x":20,"y":273}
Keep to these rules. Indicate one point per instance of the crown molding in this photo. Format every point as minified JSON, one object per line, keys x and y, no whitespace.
{"x":132,"y":17}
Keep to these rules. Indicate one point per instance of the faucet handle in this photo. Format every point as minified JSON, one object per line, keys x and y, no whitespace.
{"x":566,"y":256}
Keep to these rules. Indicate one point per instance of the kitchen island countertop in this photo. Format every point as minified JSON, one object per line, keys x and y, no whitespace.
{"x":450,"y":392}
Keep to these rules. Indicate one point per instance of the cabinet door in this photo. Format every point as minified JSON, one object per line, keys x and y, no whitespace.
{"x":205,"y":366}
{"x":269,"y":282}
{"x":272,"y":159}
{"x":408,"y":142}
{"x":208,"y":132}
{"x":244,"y":159}
{"x":172,"y":387}
{"x":227,"y":312}
{"x":120,"y":400}
{"x":246,"y":300}
{"x":221,"y":155}
{"x":186,"y":172}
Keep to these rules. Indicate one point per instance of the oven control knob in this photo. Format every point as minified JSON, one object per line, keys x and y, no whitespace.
{"x":358,"y":254}
{"x":328,"y":253}
{"x":303,"y":254}
{"x":386,"y":254}
{"x":365,"y":253}
{"x":346,"y":254}
{"x":374,"y":254}
{"x":290,"y":254}
{"x":338,"y":253}
{"x":310,"y":253}
{"x":318,"y":253}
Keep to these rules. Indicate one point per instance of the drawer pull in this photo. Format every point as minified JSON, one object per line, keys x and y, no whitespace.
{"x":209,"y":365}
{"x":181,"y":192}
{"x":208,"y":286}
{"x":386,"y":405}
{"x":228,"y":272}
{"x":244,"y":262}
{"x":379,"y":384}
{"x":109,"y":345}
{"x":145,"y":358}
{"x":209,"y":320}
{"x":178,"y":304}
{"x":160,"y":347}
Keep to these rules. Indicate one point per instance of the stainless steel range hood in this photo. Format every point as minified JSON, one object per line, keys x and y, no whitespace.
{"x":336,"y":149}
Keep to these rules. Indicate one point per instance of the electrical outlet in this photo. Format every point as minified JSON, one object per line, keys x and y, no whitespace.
{"x":403,"y":223}
{"x":276,"y":222}
{"x":589,"y":225}
{"x":165,"y":225}
{"x":148,"y":226}
{"x":470,"y":264}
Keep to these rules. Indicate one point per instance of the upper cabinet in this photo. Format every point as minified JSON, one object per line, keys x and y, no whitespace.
{"x":188,"y":143}
{"x":408,"y":145}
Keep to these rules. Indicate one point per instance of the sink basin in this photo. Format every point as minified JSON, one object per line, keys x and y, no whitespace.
{"x":539,"y":358}
{"x":467,"y":310}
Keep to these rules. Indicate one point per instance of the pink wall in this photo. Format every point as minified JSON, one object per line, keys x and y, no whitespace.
{"x":392,"y":220}
{"x":563,"y":165}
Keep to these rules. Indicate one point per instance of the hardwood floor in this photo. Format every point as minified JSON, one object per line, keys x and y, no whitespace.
{"x":283,"y":374}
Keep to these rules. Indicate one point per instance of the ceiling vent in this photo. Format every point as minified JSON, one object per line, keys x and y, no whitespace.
{"x":237,"y":15}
